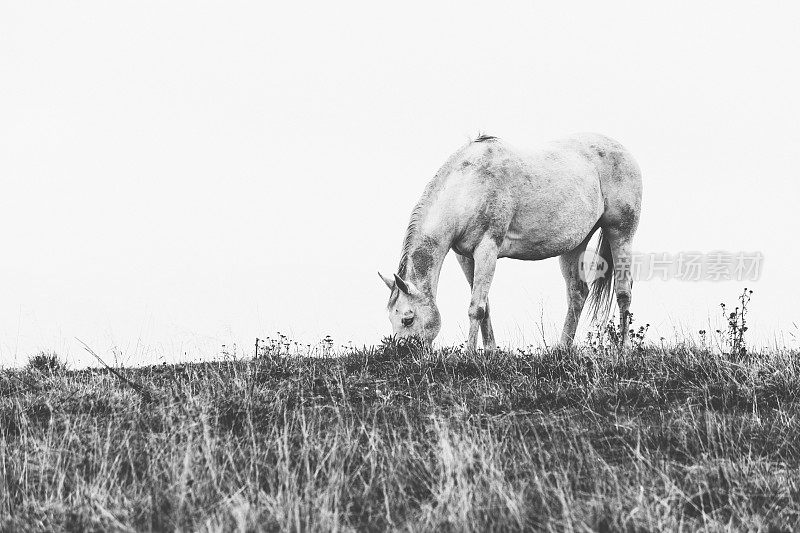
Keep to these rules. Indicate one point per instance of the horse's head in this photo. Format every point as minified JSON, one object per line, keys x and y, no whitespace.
{"x":412,"y":312}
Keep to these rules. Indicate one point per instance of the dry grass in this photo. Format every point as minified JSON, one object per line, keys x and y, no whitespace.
{"x":676,"y":439}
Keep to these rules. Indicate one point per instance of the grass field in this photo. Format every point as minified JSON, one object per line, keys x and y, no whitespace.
{"x":678,"y":438}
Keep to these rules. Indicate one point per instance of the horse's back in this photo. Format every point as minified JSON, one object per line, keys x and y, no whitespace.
{"x":612,"y":160}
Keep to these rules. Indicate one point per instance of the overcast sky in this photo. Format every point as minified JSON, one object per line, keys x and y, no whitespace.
{"x":181,"y":175}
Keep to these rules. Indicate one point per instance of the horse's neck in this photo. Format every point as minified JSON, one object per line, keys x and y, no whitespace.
{"x":423,"y":261}
{"x":427,"y":242}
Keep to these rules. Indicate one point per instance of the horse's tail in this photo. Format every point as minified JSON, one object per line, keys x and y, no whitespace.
{"x":602,"y":289}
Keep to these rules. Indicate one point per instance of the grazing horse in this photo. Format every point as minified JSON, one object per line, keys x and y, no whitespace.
{"x":490,"y":200}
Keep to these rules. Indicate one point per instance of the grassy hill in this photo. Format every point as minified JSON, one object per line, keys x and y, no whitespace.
{"x":675,"y":438}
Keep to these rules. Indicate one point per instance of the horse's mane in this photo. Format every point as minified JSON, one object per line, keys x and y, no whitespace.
{"x":421,"y":208}
{"x":482,"y":137}
{"x":413,"y":225}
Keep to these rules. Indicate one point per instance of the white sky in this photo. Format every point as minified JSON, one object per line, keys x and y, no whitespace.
{"x":181,"y":175}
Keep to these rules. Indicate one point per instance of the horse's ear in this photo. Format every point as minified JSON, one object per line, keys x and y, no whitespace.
{"x":401,"y":284}
{"x":388,"y":281}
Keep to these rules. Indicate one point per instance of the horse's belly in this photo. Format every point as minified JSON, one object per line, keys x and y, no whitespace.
{"x":542,"y":229}
{"x":541,"y":244}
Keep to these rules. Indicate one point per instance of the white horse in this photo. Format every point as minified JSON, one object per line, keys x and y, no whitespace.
{"x":490,"y":200}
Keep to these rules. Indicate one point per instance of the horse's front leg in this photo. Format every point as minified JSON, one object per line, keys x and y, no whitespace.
{"x":468,"y":266}
{"x":485,"y":258}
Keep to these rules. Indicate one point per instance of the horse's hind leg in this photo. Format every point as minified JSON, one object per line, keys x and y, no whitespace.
{"x":620,"y":239}
{"x":577,"y":291}
{"x":468,"y":266}
{"x":621,"y":184}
